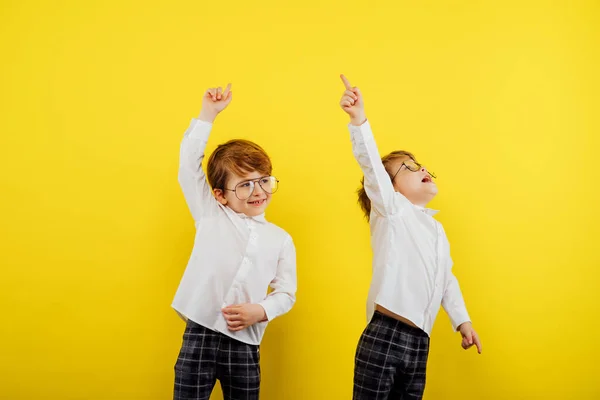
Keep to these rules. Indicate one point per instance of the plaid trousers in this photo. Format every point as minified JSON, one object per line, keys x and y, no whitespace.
{"x":206,"y":356}
{"x":390,"y":362}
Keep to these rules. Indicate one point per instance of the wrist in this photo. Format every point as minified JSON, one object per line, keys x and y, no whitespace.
{"x":207,"y":116}
{"x":262,"y":314}
{"x":358,"y":120}
{"x":463,"y":325}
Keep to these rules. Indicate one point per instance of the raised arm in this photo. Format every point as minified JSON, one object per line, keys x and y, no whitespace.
{"x":192,"y":179}
{"x":378,"y":184}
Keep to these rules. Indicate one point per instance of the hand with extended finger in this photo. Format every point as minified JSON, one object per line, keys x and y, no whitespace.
{"x":352,"y":103}
{"x":214,"y":101}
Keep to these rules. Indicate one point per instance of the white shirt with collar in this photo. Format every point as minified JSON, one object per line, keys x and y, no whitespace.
{"x":235,"y":257}
{"x":412,"y":267}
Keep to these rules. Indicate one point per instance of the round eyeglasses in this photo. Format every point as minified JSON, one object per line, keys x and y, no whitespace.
{"x":244,"y":189}
{"x":414,"y":167}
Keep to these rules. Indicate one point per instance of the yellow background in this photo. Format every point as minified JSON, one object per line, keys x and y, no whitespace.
{"x":500,"y":99}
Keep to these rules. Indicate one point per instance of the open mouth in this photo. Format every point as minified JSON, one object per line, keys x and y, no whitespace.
{"x":257,"y":203}
{"x":426,"y":179}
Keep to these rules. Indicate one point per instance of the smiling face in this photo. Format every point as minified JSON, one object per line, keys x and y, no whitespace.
{"x":413,"y":180}
{"x":248,"y":194}
{"x":234,"y":170}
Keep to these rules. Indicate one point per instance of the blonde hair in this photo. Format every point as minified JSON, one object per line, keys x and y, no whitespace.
{"x":238,"y":156}
{"x":387,"y":161}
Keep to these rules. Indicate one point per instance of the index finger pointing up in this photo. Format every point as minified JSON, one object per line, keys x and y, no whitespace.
{"x":227,"y":89}
{"x":346,"y":82}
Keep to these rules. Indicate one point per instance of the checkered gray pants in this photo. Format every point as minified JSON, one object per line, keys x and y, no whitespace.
{"x":390,"y":361}
{"x":206,"y":356}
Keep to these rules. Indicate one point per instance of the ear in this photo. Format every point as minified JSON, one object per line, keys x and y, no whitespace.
{"x":220,"y":196}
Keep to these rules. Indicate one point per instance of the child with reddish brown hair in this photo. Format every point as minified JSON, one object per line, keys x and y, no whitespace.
{"x":237,"y":255}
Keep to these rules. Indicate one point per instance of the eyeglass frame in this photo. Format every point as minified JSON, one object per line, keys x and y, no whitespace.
{"x":407,"y":167}
{"x":253,"y":182}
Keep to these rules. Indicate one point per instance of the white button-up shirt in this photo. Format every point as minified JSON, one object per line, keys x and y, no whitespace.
{"x":235,"y":257}
{"x":412,"y":268}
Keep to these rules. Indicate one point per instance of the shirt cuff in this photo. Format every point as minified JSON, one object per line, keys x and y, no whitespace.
{"x":361,"y":133}
{"x":270,"y":309}
{"x":458,"y":318}
{"x":199,"y":129}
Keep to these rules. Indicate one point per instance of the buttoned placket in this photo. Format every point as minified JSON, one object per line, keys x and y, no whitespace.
{"x":246,"y":264}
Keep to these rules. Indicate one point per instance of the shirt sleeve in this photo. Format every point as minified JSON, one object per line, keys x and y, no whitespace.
{"x":192,"y":179}
{"x":283,"y":296}
{"x":454,"y":304}
{"x":378,"y":185}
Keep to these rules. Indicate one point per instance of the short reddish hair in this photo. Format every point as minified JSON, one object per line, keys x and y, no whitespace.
{"x":238,"y":156}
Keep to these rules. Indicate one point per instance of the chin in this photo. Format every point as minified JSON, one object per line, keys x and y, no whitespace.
{"x":254,"y":212}
{"x":432,"y":190}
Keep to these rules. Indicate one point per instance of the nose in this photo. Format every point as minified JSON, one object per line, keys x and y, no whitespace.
{"x":424,"y":169}
{"x":257,"y":189}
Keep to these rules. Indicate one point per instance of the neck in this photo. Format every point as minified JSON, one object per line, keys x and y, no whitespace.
{"x":421,"y":203}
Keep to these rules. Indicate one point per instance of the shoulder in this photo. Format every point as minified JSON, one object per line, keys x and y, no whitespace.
{"x":277,"y":230}
{"x":278,"y":233}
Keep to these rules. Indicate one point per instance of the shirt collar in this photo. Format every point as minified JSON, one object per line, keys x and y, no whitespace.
{"x":258,"y":218}
{"x":429,"y":211}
